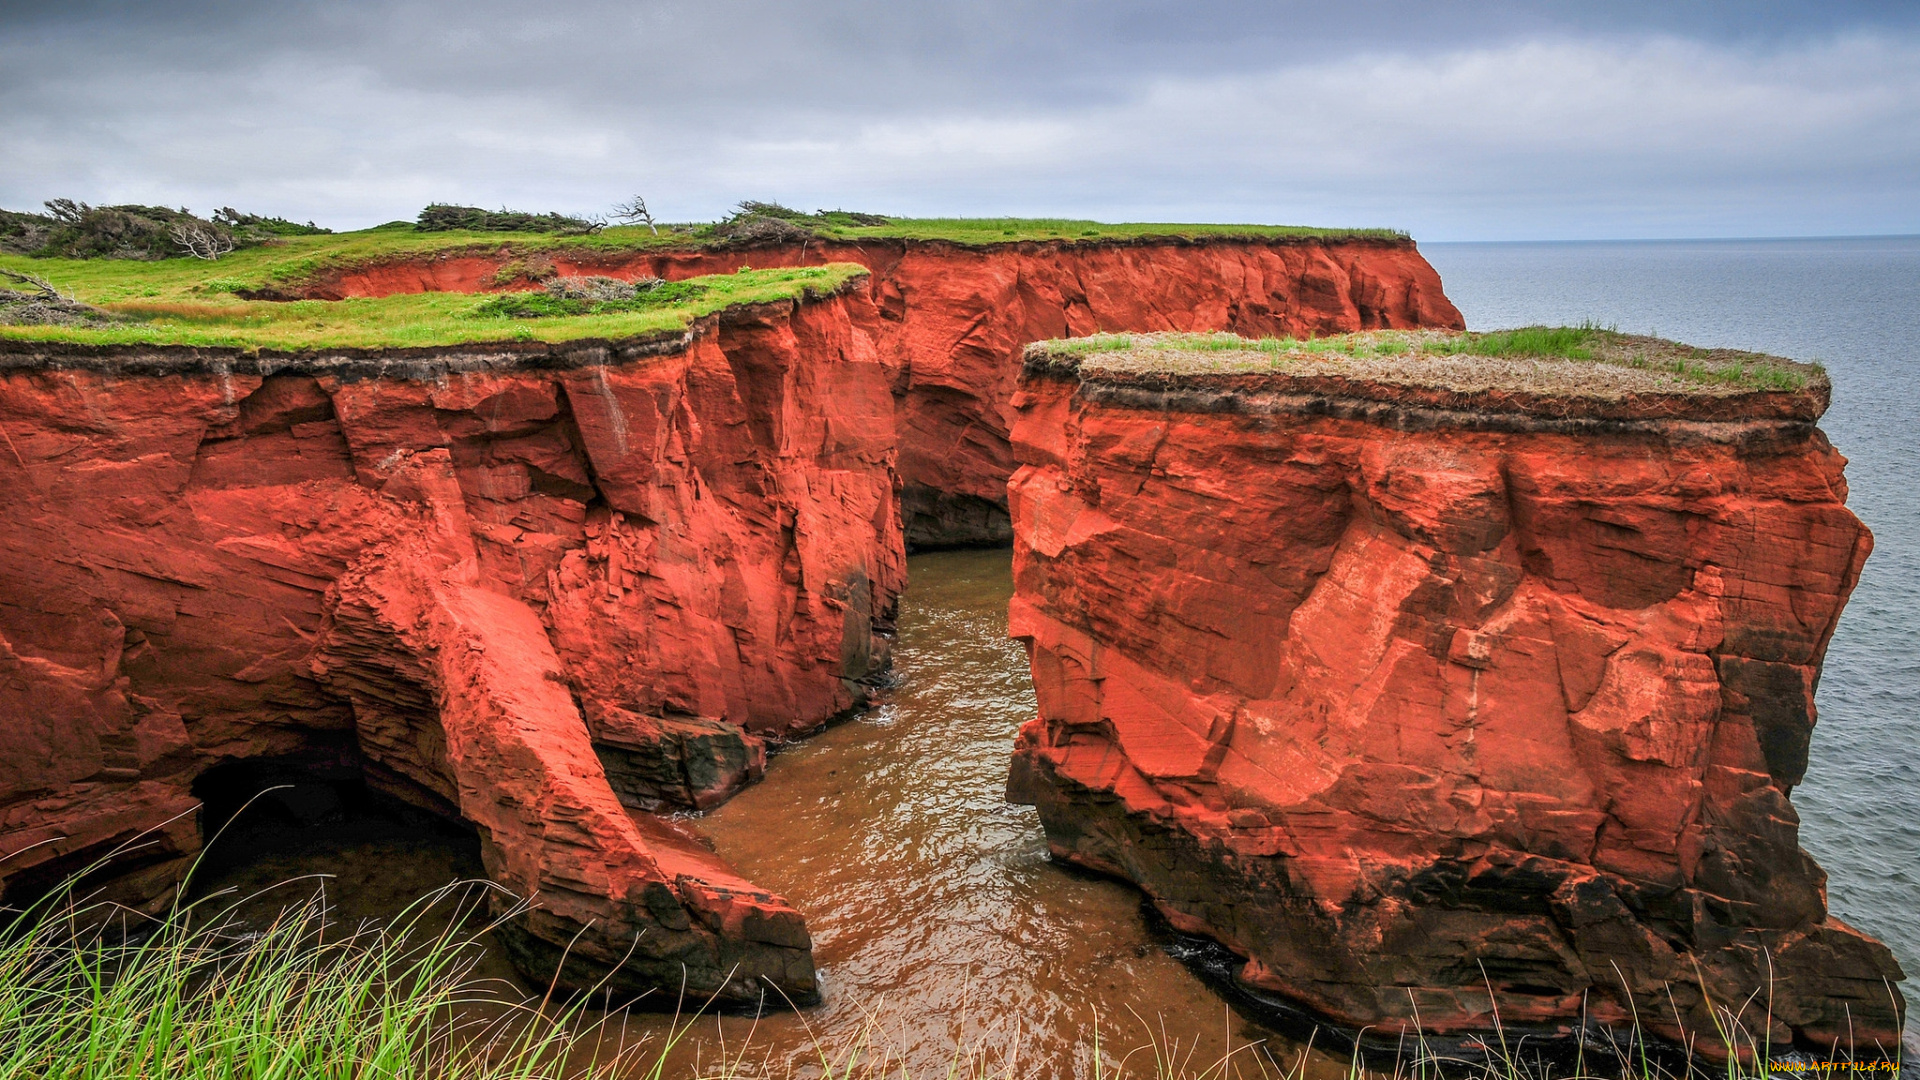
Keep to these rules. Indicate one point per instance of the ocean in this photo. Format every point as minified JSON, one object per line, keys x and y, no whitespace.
{"x":1852,"y":304}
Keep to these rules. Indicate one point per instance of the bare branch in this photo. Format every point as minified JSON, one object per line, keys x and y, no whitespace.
{"x":634,"y":212}
{"x":201,"y":241}
{"x":45,"y":305}
{"x":47,"y":291}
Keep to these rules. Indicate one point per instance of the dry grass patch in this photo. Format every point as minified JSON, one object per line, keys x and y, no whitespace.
{"x":1586,"y":361}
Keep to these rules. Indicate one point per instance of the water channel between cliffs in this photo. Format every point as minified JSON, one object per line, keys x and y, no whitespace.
{"x":931,"y":900}
{"x":934,"y":909}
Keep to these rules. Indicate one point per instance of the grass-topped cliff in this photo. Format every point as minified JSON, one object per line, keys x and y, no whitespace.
{"x":76,"y":275}
{"x":284,"y":264}
{"x":1532,"y":376}
{"x":413,"y":320}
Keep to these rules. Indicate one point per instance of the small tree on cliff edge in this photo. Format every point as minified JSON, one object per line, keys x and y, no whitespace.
{"x":634,"y":212}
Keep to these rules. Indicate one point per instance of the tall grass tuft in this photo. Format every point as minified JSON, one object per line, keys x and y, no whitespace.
{"x":1569,"y":342}
{"x":92,"y":992}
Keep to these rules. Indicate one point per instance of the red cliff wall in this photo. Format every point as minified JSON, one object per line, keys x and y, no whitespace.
{"x":953,"y":320}
{"x":540,"y":590}
{"x":1403,"y":703}
{"x":546,"y":591}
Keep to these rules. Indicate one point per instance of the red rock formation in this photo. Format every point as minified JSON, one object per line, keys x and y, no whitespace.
{"x":1425,"y":701}
{"x":521,"y":588}
{"x":953,"y":319}
{"x":544,"y":590}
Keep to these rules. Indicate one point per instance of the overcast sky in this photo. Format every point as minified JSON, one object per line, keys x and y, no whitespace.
{"x":1510,"y":120}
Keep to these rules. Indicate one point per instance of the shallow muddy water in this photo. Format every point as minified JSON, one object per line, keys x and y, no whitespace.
{"x":938,"y":921}
{"x":932,"y":902}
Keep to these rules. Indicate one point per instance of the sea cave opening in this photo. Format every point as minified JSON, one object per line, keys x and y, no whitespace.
{"x":278,"y":831}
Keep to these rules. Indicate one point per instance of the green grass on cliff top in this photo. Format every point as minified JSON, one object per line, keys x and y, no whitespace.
{"x":1549,"y":359}
{"x":984,"y":231}
{"x":415,"y":320}
{"x":290,"y":262}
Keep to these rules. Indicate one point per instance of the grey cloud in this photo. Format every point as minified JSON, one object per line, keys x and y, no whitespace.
{"x":1513,"y":120}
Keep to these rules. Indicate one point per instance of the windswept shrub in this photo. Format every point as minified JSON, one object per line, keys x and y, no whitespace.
{"x":75,"y":230}
{"x":129,"y":231}
{"x":443,"y":217}
{"x":760,"y":228}
{"x":588,"y":296}
{"x":269,"y":226}
{"x":770,"y":222}
{"x":754,"y":208}
{"x":22,"y":233}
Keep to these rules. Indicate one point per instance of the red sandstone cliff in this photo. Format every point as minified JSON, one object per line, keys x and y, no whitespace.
{"x":540,"y":590}
{"x":954,"y":318}
{"x":543,"y":590}
{"x":1406,"y":694}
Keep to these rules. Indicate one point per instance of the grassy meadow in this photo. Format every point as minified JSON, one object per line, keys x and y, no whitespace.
{"x":413,"y":320}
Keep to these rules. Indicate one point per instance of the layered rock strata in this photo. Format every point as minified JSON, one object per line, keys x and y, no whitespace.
{"x":543,"y":590}
{"x":1436,"y":695}
{"x":953,"y":319}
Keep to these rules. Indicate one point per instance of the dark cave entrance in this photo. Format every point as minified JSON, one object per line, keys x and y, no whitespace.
{"x":278,"y":830}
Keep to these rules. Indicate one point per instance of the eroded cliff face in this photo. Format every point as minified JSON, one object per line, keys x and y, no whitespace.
{"x":543,"y":591}
{"x":546,"y":591}
{"x":953,"y":319}
{"x":1443,"y":703}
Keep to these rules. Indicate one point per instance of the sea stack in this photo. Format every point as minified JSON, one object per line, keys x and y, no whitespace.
{"x":1441,"y":675}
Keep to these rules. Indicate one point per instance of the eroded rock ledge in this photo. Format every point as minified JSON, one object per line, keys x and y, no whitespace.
{"x":1437,"y":698}
{"x":953,"y":319}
